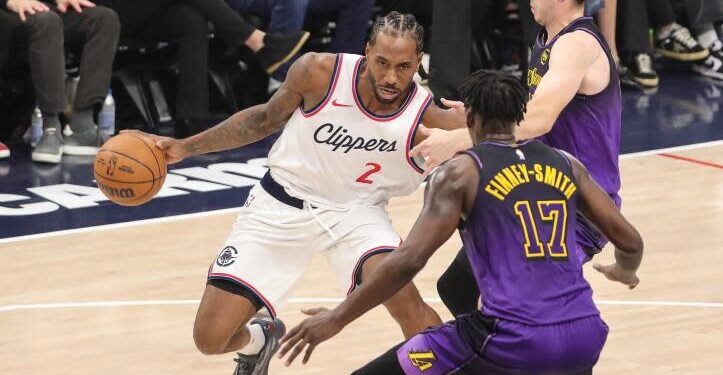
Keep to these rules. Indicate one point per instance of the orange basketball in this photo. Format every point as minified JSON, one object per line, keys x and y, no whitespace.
{"x":129,"y":169}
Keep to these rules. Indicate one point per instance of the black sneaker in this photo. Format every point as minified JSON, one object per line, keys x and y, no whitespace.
{"x":640,"y":69}
{"x":280,"y":48}
{"x":712,"y":66}
{"x":259,"y":364}
{"x":681,"y":46}
{"x":49,"y":148}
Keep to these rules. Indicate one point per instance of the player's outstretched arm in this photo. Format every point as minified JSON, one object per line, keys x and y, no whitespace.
{"x":596,"y":205}
{"x":570,"y":58}
{"x":449,"y":193}
{"x":254,"y":123}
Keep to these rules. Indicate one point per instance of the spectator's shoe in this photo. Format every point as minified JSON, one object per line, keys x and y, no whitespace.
{"x":49,"y":148}
{"x":259,"y":364}
{"x":681,"y":46}
{"x":640,"y":69}
{"x":4,"y":151}
{"x":280,"y":48}
{"x":712,"y":66}
{"x":84,"y":143}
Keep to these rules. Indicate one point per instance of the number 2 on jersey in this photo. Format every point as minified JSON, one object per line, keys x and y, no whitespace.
{"x":551,"y":212}
{"x":364,"y":178}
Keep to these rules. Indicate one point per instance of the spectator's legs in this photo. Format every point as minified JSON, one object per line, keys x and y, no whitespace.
{"x":633,"y":27}
{"x":661,"y":12}
{"x":633,"y":43}
{"x":47,"y":64}
{"x":44,"y":35}
{"x":97,"y":30}
{"x":185,"y":24}
{"x":451,"y":44}
{"x":703,"y":15}
{"x":230,"y":26}
{"x":672,"y":40}
{"x":352,"y":23}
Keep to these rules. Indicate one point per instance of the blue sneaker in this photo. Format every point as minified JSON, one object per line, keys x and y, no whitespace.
{"x":259,"y":364}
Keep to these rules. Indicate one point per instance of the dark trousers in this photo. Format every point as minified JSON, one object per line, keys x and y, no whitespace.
{"x":661,"y":12}
{"x":288,"y":16}
{"x":632,"y":27}
{"x":185,"y":25}
{"x":702,"y":12}
{"x":450,"y":46}
{"x":42,"y":40}
{"x":227,"y":24}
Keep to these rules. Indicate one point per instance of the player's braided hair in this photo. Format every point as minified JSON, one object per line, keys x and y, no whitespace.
{"x":498,"y":98}
{"x":398,"y":25}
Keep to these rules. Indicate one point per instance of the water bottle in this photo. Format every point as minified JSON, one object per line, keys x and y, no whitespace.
{"x":106,"y":117}
{"x":35,"y":131}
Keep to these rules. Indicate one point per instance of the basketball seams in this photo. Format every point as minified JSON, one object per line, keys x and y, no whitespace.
{"x":129,"y":157}
{"x":142,"y":141}
{"x":158,"y":164}
{"x":156,"y":180}
{"x":136,"y":198}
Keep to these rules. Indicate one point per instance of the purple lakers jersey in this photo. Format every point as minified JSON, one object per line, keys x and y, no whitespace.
{"x":589,"y":127}
{"x":520,"y":235}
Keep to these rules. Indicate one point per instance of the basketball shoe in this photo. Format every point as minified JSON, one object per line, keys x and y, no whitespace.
{"x":259,"y":364}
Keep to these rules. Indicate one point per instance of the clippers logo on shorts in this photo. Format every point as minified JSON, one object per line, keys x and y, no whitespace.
{"x":227,"y":256}
{"x":422,"y":360}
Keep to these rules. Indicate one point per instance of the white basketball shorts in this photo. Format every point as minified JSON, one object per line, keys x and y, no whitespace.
{"x":272,"y":243}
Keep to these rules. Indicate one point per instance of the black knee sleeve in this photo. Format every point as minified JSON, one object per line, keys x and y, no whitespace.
{"x":385,"y":364}
{"x":457,"y":286}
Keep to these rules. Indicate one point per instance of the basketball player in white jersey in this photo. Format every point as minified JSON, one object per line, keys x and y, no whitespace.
{"x":348,"y":124}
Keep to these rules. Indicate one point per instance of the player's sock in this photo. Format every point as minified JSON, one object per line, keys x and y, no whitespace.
{"x":256,"y":341}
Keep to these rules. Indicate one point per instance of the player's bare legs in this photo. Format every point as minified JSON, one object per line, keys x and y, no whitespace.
{"x":221,"y":319}
{"x":406,"y":307}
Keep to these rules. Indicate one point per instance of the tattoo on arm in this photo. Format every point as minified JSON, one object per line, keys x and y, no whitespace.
{"x":256,"y":123}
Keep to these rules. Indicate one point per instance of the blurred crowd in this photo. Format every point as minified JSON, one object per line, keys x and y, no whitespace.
{"x":60,"y":58}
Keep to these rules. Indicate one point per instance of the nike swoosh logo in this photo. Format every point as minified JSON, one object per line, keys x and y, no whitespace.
{"x":336,"y":104}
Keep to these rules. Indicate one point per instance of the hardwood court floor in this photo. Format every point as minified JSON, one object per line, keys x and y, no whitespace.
{"x":676,"y":204}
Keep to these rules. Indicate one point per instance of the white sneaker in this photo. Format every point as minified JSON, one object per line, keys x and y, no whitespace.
{"x":712,"y":66}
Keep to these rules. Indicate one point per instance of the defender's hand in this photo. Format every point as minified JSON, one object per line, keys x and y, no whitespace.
{"x":455,"y":107}
{"x":172,"y":148}
{"x":615,"y":273}
{"x":320,"y":327}
{"x":22,"y":7}
{"x":438,"y":147}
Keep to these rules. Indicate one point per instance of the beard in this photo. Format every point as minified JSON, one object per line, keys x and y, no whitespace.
{"x":376,"y":89}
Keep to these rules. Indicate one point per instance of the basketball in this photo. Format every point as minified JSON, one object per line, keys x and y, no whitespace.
{"x":129,"y":169}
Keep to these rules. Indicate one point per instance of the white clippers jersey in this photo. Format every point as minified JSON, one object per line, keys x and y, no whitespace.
{"x":338,"y":154}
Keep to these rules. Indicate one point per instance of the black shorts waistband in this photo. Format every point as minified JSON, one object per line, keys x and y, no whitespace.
{"x":277,"y":191}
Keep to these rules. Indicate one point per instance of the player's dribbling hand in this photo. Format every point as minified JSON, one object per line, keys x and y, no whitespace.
{"x":172,"y":148}
{"x":615,"y":273}
{"x":314,"y":330}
